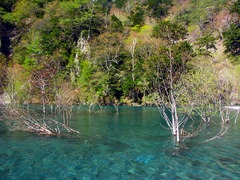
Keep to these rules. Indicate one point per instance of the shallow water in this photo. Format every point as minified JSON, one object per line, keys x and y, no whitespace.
{"x":131,"y":144}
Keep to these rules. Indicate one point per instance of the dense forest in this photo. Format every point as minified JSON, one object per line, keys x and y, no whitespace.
{"x":117,"y":52}
{"x":179,"y":55}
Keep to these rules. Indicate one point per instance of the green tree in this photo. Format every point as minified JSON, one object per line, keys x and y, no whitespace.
{"x":173,"y":60}
{"x":170,"y":32}
{"x":136,"y":16}
{"x":15,"y":86}
{"x":232,"y":39}
{"x":205,"y":45}
{"x":120,"y":3}
{"x":198,"y":90}
{"x":158,"y":8}
{"x":204,"y":93}
{"x":235,"y":7}
{"x":116,"y":24}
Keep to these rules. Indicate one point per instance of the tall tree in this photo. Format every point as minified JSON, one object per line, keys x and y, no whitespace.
{"x":174,"y":57}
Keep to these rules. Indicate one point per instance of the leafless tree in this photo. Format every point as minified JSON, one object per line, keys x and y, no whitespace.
{"x":42,"y":82}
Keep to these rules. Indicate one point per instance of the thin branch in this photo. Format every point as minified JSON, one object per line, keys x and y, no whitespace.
{"x":218,"y":135}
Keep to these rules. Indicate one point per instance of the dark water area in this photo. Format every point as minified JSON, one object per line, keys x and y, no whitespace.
{"x":130,"y":144}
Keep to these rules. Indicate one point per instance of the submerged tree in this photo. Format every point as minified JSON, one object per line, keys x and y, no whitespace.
{"x":174,"y":56}
{"x":186,"y":92}
{"x":205,"y":94}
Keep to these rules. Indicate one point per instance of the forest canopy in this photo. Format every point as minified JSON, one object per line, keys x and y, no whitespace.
{"x":112,"y":52}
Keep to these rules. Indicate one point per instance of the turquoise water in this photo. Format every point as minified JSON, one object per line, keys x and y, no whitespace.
{"x":130,"y":144}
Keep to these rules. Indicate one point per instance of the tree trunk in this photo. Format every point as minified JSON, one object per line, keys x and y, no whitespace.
{"x":134,"y":42}
{"x":43,"y":98}
{"x":173,"y":103}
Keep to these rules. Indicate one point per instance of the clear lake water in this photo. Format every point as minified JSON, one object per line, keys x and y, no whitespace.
{"x":129,"y":145}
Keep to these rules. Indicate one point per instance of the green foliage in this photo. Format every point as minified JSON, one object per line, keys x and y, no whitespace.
{"x":205,"y":44}
{"x":48,"y":36}
{"x":108,"y":51}
{"x":183,"y":53}
{"x":86,"y":72}
{"x":158,"y":8}
{"x":235,"y":7}
{"x":81,"y":17}
{"x":120,"y":3}
{"x":71,"y":6}
{"x":232,"y":39}
{"x":116,"y":24}
{"x":136,"y":28}
{"x":123,"y":84}
{"x":23,"y":10}
{"x":29,"y":50}
{"x":29,"y":63}
{"x":34,"y":47}
{"x":51,"y":35}
{"x":137,"y":16}
{"x":199,"y":91}
{"x":16,"y":86}
{"x":171,"y":32}
{"x":200,"y":12}
{"x":1,"y":11}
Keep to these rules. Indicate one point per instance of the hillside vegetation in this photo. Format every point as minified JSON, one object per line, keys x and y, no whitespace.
{"x":119,"y":52}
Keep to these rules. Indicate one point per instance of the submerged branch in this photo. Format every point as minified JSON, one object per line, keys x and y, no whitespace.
{"x":223,"y":130}
{"x":20,"y":119}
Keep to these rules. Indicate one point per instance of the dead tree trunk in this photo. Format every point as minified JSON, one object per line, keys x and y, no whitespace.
{"x":134,"y":42}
